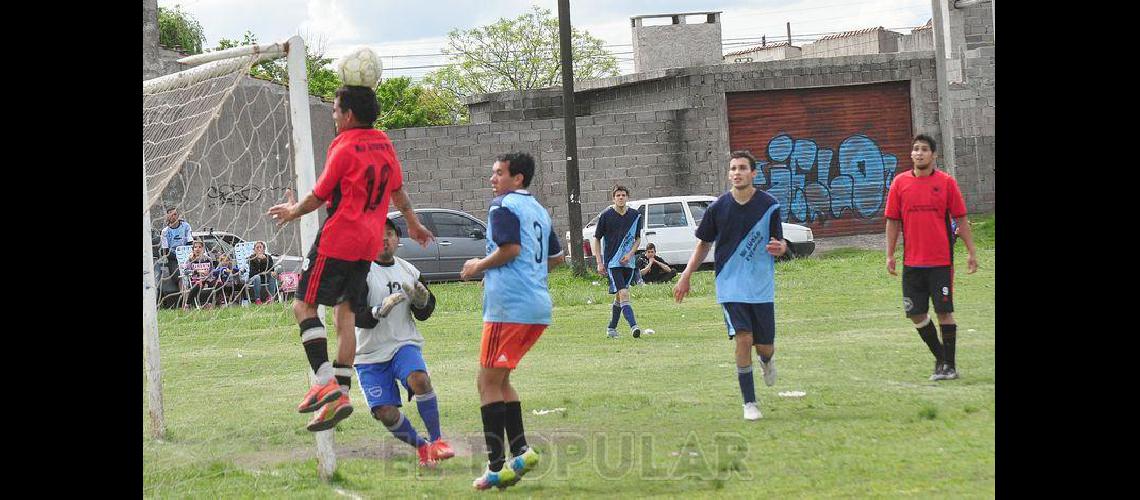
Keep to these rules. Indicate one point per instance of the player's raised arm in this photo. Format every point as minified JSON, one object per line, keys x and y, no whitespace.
{"x":423,"y":301}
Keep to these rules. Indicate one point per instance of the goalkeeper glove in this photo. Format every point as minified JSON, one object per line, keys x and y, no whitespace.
{"x":419,"y":294}
{"x":381,"y":311}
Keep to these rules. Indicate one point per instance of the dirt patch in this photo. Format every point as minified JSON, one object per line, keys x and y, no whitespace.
{"x":873,"y":241}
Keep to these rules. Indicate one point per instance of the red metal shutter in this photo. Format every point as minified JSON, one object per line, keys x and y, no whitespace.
{"x":827,"y":154}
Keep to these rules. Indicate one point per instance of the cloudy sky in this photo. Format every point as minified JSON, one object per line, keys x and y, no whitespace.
{"x":409,"y":35}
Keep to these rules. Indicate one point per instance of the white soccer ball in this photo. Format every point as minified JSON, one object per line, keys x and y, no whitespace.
{"x":361,"y":68}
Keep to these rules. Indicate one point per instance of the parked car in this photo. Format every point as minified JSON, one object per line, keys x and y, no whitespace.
{"x":458,"y":236}
{"x":672,"y":223}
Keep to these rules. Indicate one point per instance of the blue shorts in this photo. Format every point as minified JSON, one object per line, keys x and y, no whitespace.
{"x":378,"y":380}
{"x":759,"y":319}
{"x":620,"y":277}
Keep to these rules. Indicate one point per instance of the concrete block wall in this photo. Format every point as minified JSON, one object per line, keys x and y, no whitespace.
{"x":917,"y":41}
{"x":777,"y":53}
{"x":449,"y":167}
{"x":974,"y":107}
{"x":875,"y":42}
{"x":676,"y":45}
{"x":689,"y":104}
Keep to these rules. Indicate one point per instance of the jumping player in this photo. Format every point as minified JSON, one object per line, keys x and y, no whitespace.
{"x":521,"y":248}
{"x":388,"y":348}
{"x":619,"y":229}
{"x":360,"y":176}
{"x":925,"y":204}
{"x":740,"y":222}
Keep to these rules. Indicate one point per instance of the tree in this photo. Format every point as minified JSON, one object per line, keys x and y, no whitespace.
{"x":179,"y":30}
{"x":323,"y":81}
{"x":516,"y":54}
{"x":404,"y":104}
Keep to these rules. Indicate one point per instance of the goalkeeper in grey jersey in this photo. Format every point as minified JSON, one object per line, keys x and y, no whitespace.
{"x":388,"y":349}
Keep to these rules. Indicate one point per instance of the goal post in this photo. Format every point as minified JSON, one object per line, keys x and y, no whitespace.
{"x":203,"y":134}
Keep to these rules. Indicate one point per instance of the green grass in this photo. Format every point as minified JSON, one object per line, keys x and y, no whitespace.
{"x":656,"y":416}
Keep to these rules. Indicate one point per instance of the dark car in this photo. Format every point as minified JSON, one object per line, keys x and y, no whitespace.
{"x":458,"y":236}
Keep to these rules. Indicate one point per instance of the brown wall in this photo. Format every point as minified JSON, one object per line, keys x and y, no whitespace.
{"x":827,"y":154}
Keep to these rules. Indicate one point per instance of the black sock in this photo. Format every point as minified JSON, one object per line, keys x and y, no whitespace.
{"x":514,"y":426}
{"x":949,"y":339}
{"x":493,"y":417}
{"x":315,"y":340}
{"x":343,"y":376}
{"x":929,"y":335}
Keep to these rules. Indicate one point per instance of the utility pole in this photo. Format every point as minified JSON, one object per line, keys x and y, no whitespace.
{"x":789,"y":33}
{"x":573,"y":188}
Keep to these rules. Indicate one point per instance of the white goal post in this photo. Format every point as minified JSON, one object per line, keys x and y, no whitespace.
{"x":178,"y":110}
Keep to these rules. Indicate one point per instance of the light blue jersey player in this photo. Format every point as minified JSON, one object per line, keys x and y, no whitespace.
{"x":521,"y":248}
{"x":744,"y":223}
{"x":616,"y":238}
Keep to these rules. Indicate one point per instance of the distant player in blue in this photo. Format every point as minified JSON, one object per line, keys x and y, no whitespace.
{"x":521,"y":248}
{"x":619,"y":232}
{"x":740,"y":222}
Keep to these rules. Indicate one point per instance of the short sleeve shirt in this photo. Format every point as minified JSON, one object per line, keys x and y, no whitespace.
{"x":517,"y":291}
{"x":359,"y":177}
{"x":618,"y":233}
{"x":926,"y":206}
{"x":745,"y":271}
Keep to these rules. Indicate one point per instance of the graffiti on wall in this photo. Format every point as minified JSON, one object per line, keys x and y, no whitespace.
{"x":220,"y":195}
{"x":814,"y":184}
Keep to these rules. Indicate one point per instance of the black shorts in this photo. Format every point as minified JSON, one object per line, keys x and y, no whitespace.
{"x":922,"y":284}
{"x":620,"y":277}
{"x":757,"y":319}
{"x":329,"y":281}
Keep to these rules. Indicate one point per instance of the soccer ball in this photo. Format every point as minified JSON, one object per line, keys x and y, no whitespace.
{"x":361,"y":68}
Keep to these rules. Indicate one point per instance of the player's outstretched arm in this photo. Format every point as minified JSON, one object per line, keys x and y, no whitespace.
{"x":681,"y":289}
{"x":416,"y":230}
{"x":892,"y":242}
{"x":290,"y":210}
{"x":968,"y":239}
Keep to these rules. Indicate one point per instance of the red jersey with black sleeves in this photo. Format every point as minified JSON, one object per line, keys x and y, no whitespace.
{"x":359,"y":177}
{"x":925,"y":206}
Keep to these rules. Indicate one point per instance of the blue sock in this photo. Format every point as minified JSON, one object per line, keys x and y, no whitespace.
{"x":429,"y":412}
{"x":765,"y":359}
{"x":747,"y":385}
{"x":627,"y":311}
{"x":404,"y":431}
{"x":616,"y":315}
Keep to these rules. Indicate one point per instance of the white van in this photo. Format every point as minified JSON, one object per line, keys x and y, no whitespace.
{"x":672,"y":223}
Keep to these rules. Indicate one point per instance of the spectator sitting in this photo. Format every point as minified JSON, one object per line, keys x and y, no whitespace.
{"x":198,"y":268}
{"x":653,"y":268}
{"x":261,"y":273}
{"x":227,"y":278}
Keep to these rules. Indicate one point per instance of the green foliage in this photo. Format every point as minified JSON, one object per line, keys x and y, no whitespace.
{"x":178,"y":30}
{"x":516,"y":54}
{"x":323,"y":81}
{"x":404,"y":104}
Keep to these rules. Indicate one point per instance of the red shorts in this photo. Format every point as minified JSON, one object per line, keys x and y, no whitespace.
{"x":504,"y":344}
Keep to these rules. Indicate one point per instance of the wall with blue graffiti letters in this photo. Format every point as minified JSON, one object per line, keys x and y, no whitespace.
{"x":828,"y":155}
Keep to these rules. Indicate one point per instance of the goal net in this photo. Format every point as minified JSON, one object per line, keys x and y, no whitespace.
{"x":219,"y":149}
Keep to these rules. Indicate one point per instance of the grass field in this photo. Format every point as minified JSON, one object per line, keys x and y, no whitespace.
{"x":656,"y":416}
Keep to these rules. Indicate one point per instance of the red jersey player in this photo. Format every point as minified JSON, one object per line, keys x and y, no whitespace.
{"x":922,"y":203}
{"x":360,"y":177}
